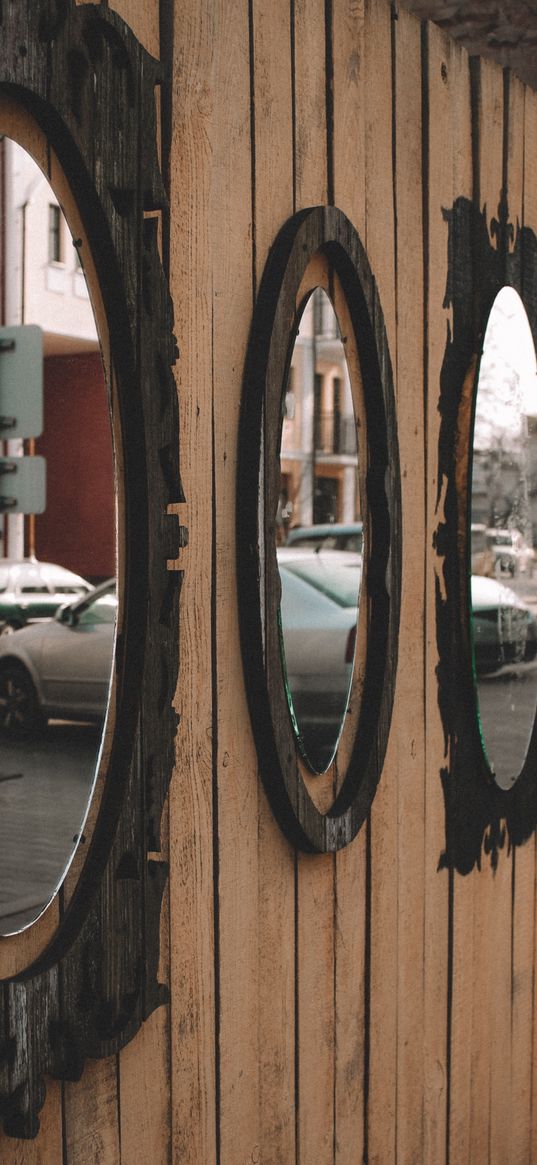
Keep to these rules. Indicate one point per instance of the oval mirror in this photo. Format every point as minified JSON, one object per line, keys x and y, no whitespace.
{"x":503,"y":538}
{"x":319,"y":531}
{"x":58,"y":557}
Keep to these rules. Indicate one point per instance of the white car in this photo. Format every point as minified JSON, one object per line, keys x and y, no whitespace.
{"x":61,"y":667}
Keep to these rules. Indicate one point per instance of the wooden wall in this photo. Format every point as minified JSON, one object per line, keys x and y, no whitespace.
{"x":369,"y":1006}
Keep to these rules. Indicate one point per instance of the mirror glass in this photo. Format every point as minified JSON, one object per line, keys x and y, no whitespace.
{"x":503,"y":538}
{"x":319,"y":533}
{"x":57,"y":564}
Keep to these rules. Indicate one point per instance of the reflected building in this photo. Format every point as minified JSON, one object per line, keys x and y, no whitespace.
{"x":42,"y":282}
{"x":318,"y":450}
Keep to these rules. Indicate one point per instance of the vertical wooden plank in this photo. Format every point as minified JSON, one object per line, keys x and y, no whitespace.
{"x":192,"y":944}
{"x":523,"y":1005}
{"x":315,"y":873}
{"x":273,"y":204}
{"x":381,"y":1112}
{"x":445,"y":72}
{"x":410,"y":724}
{"x":143,"y":18}
{"x":91,"y":1116}
{"x":350,"y":874}
{"x":47,"y":1147}
{"x":144,"y":1073}
{"x":449,"y":983}
{"x":235,"y":758}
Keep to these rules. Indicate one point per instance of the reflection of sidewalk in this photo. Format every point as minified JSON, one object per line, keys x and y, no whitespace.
{"x":507,"y":702}
{"x":41,"y":815}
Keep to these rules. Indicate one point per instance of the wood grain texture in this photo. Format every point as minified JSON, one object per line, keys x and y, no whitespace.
{"x":350,"y":887}
{"x":192,"y":935}
{"x":441,"y":88}
{"x":144,"y":21}
{"x":380,"y":245}
{"x":406,"y":992}
{"x":412,"y":870}
{"x":234,"y":757}
{"x":92,"y":1116}
{"x":273,"y":197}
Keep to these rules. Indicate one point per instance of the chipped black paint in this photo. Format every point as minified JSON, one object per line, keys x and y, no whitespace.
{"x":481,"y":818}
{"x":91,"y":87}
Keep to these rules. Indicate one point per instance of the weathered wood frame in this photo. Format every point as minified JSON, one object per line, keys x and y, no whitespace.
{"x":90,"y":86}
{"x":479,"y":813}
{"x":317,"y":230}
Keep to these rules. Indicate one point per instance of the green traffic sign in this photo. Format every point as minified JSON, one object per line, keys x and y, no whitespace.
{"x":21,"y":381}
{"x":22,"y":485}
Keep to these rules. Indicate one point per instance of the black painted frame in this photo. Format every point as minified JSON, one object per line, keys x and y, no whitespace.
{"x":481,"y":817}
{"x":321,"y":229}
{"x":90,"y":86}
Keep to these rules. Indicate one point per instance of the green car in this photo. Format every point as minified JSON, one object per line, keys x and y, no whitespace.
{"x":32,"y":590}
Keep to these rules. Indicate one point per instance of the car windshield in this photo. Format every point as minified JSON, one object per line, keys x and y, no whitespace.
{"x":102,"y":610}
{"x":336,"y":581}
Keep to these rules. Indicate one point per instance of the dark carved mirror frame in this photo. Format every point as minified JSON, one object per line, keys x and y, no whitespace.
{"x":90,"y":86}
{"x":316,"y":231}
{"x":480,"y":815}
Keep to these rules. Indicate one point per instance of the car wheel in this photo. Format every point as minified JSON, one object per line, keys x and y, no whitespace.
{"x":20,"y":714}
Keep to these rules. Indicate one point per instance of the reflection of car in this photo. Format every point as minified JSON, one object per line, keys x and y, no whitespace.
{"x":482,"y":557}
{"x":31,"y":590}
{"x":328,"y":536}
{"x":318,"y":617}
{"x":511,"y":553}
{"x":504,"y":628}
{"x":60,"y":667}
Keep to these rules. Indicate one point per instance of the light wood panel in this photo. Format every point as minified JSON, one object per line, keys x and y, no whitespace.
{"x":192,"y":937}
{"x":411,"y":866}
{"x":383,"y":955}
{"x":234,"y":758}
{"x":443,"y":76}
{"x":449,"y":985}
{"x":144,"y":19}
{"x":399,"y":971}
{"x":350,"y":884}
{"x":91,"y":1115}
{"x":273,"y":203}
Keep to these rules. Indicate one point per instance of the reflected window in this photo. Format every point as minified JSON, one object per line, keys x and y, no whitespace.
{"x":319,"y":534}
{"x":54,"y":234}
{"x":54,"y":677}
{"x":503,"y":538}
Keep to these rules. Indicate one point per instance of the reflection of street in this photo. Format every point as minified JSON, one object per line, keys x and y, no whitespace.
{"x":507,"y":702}
{"x":44,"y":789}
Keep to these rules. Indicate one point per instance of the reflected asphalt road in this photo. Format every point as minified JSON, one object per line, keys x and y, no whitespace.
{"x":507,"y":709}
{"x":44,"y":788}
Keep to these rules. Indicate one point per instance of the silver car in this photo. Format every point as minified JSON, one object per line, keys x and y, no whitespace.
{"x":318,"y":613}
{"x":60,"y":668}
